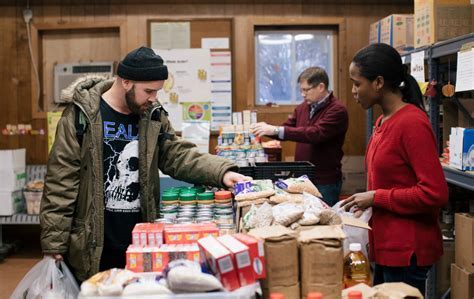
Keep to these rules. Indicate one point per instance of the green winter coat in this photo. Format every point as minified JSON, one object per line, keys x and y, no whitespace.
{"x":72,"y":207}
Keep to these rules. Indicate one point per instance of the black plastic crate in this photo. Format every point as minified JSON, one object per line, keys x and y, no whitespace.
{"x":284,"y":170}
{"x":248,"y":171}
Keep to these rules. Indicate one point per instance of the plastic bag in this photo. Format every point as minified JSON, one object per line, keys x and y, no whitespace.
{"x":355,"y":234}
{"x":47,"y":280}
{"x":185,"y":276}
{"x":287,"y":213}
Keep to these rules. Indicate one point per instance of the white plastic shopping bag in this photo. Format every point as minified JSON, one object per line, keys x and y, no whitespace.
{"x":47,"y":279}
{"x":355,"y":234}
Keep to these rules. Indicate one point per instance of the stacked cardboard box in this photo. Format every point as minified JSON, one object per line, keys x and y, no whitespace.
{"x":374,"y":33}
{"x":438,"y":20}
{"x":461,"y":148}
{"x":397,"y":31}
{"x":462,"y":272}
{"x":13,"y":179}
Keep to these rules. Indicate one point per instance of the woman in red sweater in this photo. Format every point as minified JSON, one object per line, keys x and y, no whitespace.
{"x":405,"y":180}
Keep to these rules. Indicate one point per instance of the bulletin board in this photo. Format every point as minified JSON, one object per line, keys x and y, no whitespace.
{"x":217,"y":35}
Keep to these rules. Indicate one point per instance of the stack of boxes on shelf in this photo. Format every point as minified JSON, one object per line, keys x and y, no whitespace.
{"x":433,"y":21}
{"x":462,"y":272}
{"x":13,"y":179}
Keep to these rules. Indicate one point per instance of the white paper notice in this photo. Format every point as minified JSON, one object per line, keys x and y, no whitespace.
{"x":221,"y":89}
{"x":465,"y":71}
{"x":418,"y":66}
{"x":197,"y":133}
{"x":172,"y":35}
{"x":215,"y":43}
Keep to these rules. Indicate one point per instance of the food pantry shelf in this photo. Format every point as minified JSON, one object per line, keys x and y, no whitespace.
{"x":459,"y":178}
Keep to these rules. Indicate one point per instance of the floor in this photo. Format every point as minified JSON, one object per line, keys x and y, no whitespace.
{"x":16,"y":265}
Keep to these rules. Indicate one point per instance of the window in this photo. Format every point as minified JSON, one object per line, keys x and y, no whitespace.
{"x":281,"y":55}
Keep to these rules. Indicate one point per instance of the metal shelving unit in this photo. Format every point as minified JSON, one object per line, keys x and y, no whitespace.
{"x":433,"y":54}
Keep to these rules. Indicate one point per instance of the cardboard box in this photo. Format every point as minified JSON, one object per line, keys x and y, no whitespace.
{"x":219,"y":260}
{"x":139,"y":259}
{"x":438,"y":20}
{"x":188,"y":233}
{"x":139,"y":234}
{"x":397,"y":31}
{"x":462,"y":283}
{"x":12,"y":169}
{"x":374,"y":33}
{"x":461,"y":148}
{"x":321,"y":260}
{"x":11,"y":202}
{"x":170,"y":252}
{"x":155,"y":234}
{"x":443,"y":269}
{"x":281,"y":256}
{"x":290,"y":292}
{"x":241,"y":258}
{"x":257,"y":253}
{"x":464,"y":240}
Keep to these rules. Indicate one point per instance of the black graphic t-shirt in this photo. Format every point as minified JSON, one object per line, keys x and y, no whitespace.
{"x":121,"y":184}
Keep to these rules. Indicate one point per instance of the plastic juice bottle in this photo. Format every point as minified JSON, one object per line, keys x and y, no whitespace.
{"x":277,"y":296}
{"x":314,"y":295}
{"x":356,"y":267}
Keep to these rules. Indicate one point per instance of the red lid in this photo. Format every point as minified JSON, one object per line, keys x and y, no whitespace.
{"x":354,"y":295}
{"x":314,"y":295}
{"x":222,"y":195}
{"x":277,"y":296}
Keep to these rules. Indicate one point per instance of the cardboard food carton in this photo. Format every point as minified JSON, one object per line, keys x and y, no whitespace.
{"x":241,"y":258}
{"x":438,"y":20}
{"x":257,"y":253}
{"x":462,"y":283}
{"x":464,"y":241}
{"x":139,"y":259}
{"x":281,"y":262}
{"x":155,"y":234}
{"x":321,"y":260}
{"x":374,"y":33}
{"x":170,"y":252}
{"x":397,"y":31}
{"x":11,"y":202}
{"x":188,"y":233}
{"x":219,"y":260}
{"x":12,"y":170}
{"x":140,"y":235}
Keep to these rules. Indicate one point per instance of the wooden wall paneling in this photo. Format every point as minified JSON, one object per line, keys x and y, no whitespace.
{"x":76,"y":46}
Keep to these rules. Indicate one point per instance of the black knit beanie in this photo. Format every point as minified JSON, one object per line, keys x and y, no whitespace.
{"x":142,"y":64}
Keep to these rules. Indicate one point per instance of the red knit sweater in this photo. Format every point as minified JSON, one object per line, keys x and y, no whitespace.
{"x":404,"y":170}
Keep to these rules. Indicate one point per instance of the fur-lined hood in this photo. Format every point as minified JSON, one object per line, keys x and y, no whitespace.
{"x":84,"y":90}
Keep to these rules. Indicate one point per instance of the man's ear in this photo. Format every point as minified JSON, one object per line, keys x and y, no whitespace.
{"x":126,"y":84}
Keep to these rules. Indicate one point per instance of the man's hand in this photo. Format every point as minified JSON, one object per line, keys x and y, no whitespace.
{"x":361,"y":201}
{"x":260,"y":129}
{"x":230,"y":178}
{"x":56,"y":257}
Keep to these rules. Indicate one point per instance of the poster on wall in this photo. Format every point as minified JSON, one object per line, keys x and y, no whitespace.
{"x":221,"y":89}
{"x":53,"y":120}
{"x":196,"y":111}
{"x":188,"y":81}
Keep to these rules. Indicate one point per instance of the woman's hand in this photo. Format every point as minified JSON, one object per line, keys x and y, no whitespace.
{"x":361,"y":201}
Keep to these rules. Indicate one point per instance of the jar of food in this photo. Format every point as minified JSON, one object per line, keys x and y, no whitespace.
{"x":226,"y":229}
{"x":187,"y":198}
{"x":223,"y":196}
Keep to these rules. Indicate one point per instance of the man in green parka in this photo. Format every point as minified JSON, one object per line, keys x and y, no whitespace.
{"x":103,"y":168}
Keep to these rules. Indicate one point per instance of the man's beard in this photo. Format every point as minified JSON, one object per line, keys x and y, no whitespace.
{"x":132,"y":103}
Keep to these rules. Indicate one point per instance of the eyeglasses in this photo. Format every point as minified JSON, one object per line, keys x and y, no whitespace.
{"x":306,"y":90}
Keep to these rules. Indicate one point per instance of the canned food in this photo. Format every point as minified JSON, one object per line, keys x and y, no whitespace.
{"x":226,"y":229}
{"x":203,"y":219}
{"x":182,"y":220}
{"x":163,"y":220}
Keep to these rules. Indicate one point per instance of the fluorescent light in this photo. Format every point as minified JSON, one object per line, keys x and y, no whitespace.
{"x":299,"y":37}
{"x":274,"y":40}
